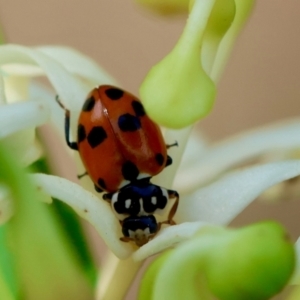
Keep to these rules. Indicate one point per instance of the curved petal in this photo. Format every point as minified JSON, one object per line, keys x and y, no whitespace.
{"x":181,"y":136}
{"x":74,"y":61}
{"x":57,"y":74}
{"x":169,"y":237}
{"x":196,"y":146}
{"x":22,"y":115}
{"x":89,"y":207}
{"x":23,"y":146}
{"x":230,"y":152}
{"x":39,"y":92}
{"x":17,"y":124}
{"x":2,"y":94}
{"x":221,"y":201}
{"x":22,"y":69}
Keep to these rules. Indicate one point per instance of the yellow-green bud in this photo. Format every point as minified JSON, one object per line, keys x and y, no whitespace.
{"x":166,"y":7}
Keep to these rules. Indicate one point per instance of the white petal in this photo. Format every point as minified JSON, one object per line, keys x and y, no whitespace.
{"x":17,"y":69}
{"x":23,"y":146}
{"x":168,"y":237}
{"x":221,"y":201}
{"x":196,"y":146}
{"x":79,"y":64}
{"x":166,"y":177}
{"x":39,"y":92}
{"x":2,"y":94}
{"x":16,"y":88}
{"x":238,"y":149}
{"x":17,"y":128}
{"x":88,"y":206}
{"x":70,"y":89}
{"x":22,"y":115}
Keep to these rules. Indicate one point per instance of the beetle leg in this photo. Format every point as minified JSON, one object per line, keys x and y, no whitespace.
{"x":172,"y":195}
{"x":158,"y":229}
{"x":172,"y":145}
{"x":126,"y":239}
{"x":82,"y":175}
{"x":107,"y":197}
{"x":169,"y":160}
{"x":97,"y":189}
{"x":72,"y":145}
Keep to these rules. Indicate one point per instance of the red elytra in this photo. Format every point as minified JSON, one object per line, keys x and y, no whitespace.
{"x":117,"y":141}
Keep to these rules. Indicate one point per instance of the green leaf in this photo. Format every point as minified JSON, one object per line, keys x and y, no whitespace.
{"x":8,"y":277}
{"x":44,"y":261}
{"x":5,"y":292}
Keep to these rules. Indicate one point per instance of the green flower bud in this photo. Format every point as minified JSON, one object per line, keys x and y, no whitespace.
{"x":295,"y":294}
{"x":180,"y":89}
{"x":254,"y":263}
{"x":251,"y":263}
{"x":166,"y":7}
{"x":220,"y":20}
{"x":177,"y":91}
{"x":146,"y":287}
{"x":243,"y":9}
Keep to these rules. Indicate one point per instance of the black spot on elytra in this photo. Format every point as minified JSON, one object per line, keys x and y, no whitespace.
{"x":159,"y":159}
{"x":128,"y":122}
{"x":96,"y":136}
{"x":169,"y":160}
{"x":97,"y":189}
{"x":102,"y":184}
{"x":130,"y":171}
{"x":88,"y":104}
{"x":138,"y":108}
{"x":114,"y":93}
{"x":81,"y":135}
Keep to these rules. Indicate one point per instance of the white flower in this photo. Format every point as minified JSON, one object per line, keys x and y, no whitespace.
{"x":217,"y":203}
{"x":213,"y":187}
{"x":201,"y":205}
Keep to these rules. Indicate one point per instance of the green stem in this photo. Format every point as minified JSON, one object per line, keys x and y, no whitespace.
{"x":117,"y":276}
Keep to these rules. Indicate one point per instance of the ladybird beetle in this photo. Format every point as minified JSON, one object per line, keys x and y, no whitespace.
{"x":121,"y":149}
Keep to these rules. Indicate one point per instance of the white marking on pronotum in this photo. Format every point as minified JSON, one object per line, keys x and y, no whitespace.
{"x":162,"y":211}
{"x":153,"y":200}
{"x":127,"y":203}
{"x":114,"y":200}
